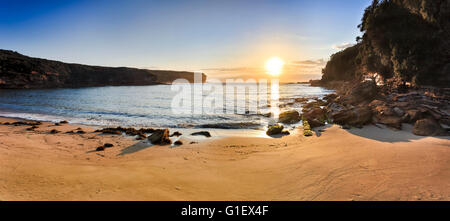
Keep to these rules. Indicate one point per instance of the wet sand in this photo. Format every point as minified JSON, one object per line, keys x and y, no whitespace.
{"x":358,"y":164}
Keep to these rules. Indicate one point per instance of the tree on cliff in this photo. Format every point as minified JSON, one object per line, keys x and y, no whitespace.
{"x":402,"y":39}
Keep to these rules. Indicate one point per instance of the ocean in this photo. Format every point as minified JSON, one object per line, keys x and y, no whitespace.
{"x":134,"y":106}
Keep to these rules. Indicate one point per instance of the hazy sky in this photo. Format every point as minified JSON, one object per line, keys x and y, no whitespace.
{"x":222,"y":38}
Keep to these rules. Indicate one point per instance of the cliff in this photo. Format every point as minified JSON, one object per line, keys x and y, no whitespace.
{"x":403,"y":41}
{"x":20,"y":71}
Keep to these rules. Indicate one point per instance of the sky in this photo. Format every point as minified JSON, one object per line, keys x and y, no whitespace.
{"x":224,"y":39}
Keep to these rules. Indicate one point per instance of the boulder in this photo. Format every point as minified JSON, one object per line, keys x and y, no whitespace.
{"x":54,"y":131}
{"x":315,"y":113}
{"x":357,"y":116}
{"x":101,"y":148}
{"x":363,"y":92}
{"x":201,"y":133}
{"x":178,"y":142}
{"x":315,"y":123}
{"x":398,"y":111}
{"x":274,"y":129}
{"x":176,"y":133}
{"x":391,"y":121}
{"x":289,"y":117}
{"x":160,"y":136}
{"x":428,"y":127}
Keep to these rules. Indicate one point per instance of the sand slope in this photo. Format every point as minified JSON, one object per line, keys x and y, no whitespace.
{"x":359,"y":164}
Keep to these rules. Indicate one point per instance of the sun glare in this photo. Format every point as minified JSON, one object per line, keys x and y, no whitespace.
{"x":274,"y":66}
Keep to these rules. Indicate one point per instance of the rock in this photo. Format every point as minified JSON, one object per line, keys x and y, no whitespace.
{"x":80,"y":132}
{"x":64,"y":122}
{"x":413,"y":115}
{"x":289,"y":117}
{"x":428,"y":127}
{"x":285,"y":132}
{"x":274,"y":129}
{"x":391,"y":121}
{"x":160,"y":136}
{"x":107,"y":145}
{"x":54,"y":131}
{"x":57,"y":124}
{"x":315,"y":113}
{"x":363,"y":92}
{"x":101,"y":148}
{"x":315,"y":123}
{"x":204,"y":133}
{"x":193,"y":142}
{"x":399,"y":112}
{"x":30,"y":128}
{"x":176,"y":133}
{"x":307,"y":132}
{"x":301,"y":100}
{"x":346,"y":127}
{"x":178,"y":142}
{"x":357,"y":116}
{"x":114,"y":131}
{"x":141,"y":137}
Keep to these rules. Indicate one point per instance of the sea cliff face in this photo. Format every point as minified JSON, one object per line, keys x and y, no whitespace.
{"x":18,"y":71}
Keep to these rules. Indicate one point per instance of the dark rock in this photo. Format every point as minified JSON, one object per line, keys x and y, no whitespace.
{"x":289,"y":117}
{"x":160,"y":136}
{"x":274,"y":129}
{"x":398,"y":111}
{"x":176,"y":133}
{"x":316,"y":113}
{"x":57,"y":124}
{"x":428,"y":127}
{"x":107,"y":145}
{"x":54,"y":131}
{"x":201,"y":133}
{"x":101,"y":148}
{"x":285,"y":132}
{"x":178,"y":142}
{"x":64,"y":122}
{"x":315,"y":123}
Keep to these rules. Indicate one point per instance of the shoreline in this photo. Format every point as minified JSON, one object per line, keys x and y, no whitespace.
{"x":357,"y":164}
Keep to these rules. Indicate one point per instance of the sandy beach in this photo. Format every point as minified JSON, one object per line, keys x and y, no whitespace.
{"x":358,"y":164}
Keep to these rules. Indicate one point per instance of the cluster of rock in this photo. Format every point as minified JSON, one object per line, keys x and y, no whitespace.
{"x":364,"y":103}
{"x":158,"y":136}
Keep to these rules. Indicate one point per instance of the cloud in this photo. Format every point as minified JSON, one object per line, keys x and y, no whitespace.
{"x":342,"y":46}
{"x":312,"y":63}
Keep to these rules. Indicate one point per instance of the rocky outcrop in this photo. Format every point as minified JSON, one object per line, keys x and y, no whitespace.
{"x":289,"y":117}
{"x":362,"y":104}
{"x":19,"y":71}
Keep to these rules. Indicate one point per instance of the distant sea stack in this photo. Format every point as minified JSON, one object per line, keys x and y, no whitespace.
{"x":18,"y":71}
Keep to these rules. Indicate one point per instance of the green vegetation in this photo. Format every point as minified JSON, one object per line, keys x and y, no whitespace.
{"x":403,"y":40}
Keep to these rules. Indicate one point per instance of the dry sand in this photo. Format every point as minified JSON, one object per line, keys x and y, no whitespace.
{"x":358,"y":164}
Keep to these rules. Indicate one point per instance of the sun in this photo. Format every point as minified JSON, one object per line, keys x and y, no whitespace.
{"x":274,"y":66}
